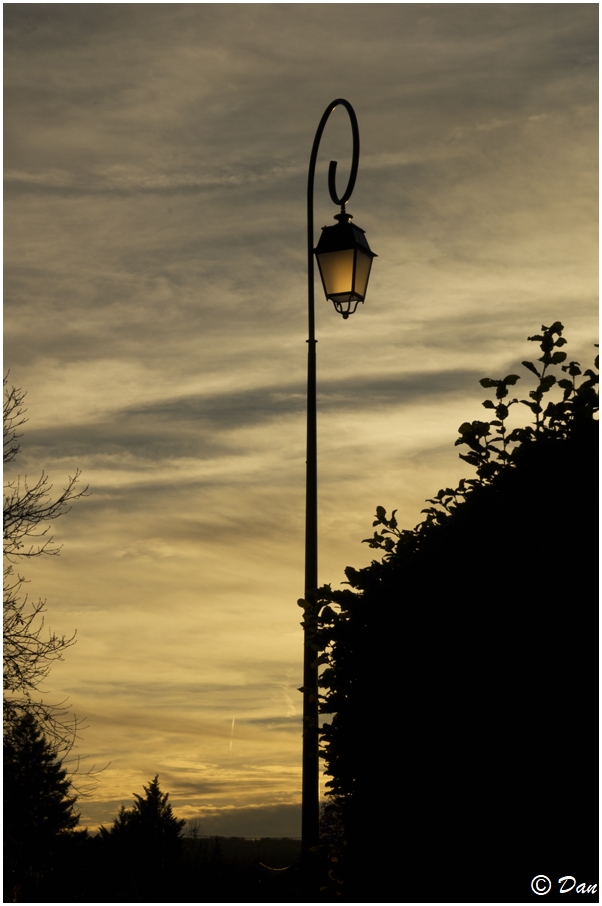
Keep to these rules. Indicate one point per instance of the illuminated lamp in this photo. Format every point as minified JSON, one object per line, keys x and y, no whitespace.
{"x":344,"y":259}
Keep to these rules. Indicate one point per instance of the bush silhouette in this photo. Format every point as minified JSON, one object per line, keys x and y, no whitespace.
{"x":461,"y":670}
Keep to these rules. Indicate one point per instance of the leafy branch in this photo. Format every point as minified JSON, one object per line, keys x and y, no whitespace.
{"x":492,"y":447}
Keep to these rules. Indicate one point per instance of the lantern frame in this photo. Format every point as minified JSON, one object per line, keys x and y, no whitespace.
{"x":344,"y":261}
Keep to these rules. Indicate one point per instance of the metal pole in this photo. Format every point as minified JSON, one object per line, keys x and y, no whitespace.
{"x":310,"y":796}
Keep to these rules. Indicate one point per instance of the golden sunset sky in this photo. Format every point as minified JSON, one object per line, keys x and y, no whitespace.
{"x":156,"y":314}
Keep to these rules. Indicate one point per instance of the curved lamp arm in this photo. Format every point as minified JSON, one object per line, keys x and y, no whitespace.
{"x":333,"y":163}
{"x":332,"y":169}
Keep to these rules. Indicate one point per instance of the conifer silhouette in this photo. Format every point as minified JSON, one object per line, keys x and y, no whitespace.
{"x":145,"y":842}
{"x":38,"y":805}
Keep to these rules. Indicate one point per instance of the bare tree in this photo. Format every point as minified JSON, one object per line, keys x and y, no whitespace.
{"x":29,"y":648}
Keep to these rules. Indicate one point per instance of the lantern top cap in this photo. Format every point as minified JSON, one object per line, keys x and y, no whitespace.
{"x":343,"y":235}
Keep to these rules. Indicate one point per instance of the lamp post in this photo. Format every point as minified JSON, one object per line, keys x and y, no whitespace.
{"x":344,"y":259}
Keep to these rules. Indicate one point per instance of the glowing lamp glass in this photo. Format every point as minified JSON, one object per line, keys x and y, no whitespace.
{"x":344,"y":260}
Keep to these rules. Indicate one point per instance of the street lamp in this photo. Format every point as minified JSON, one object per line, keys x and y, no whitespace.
{"x":344,"y":259}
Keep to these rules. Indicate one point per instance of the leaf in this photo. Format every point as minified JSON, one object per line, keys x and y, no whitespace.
{"x":488,"y":382}
{"x":471,"y":458}
{"x":520,"y":435}
{"x":572,"y":368}
{"x":512,"y":378}
{"x":530,"y":365}
{"x":534,"y":407}
{"x":489,"y":404}
{"x":547,"y":381}
{"x":558,"y":357}
{"x":556,"y":327}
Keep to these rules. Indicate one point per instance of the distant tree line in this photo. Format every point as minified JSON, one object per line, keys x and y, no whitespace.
{"x":460,"y":673}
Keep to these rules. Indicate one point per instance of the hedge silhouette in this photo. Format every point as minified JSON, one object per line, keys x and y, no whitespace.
{"x":461,"y":669}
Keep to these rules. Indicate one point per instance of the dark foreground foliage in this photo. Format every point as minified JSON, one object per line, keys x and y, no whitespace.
{"x":461,"y":669}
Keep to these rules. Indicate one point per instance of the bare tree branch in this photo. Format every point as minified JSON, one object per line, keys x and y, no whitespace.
{"x":13,"y":419}
{"x":30,"y":648}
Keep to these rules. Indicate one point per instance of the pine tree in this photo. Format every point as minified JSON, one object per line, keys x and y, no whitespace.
{"x":151,"y":817}
{"x":146,"y":843}
{"x":38,"y":804}
{"x":153,"y":812}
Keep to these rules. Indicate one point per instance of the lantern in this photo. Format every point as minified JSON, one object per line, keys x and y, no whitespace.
{"x":344,"y":258}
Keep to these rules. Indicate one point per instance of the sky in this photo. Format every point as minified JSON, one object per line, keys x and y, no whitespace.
{"x":156,"y":315}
